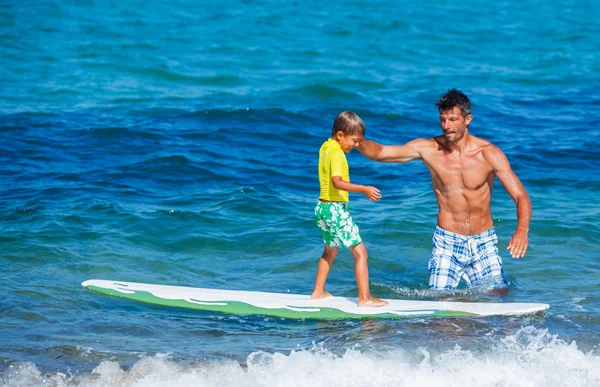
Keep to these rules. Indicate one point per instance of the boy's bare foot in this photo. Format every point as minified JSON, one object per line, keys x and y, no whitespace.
{"x":318,"y":296}
{"x":372,"y":302}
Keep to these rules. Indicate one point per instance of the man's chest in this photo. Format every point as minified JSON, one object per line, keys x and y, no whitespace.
{"x":466,"y":172}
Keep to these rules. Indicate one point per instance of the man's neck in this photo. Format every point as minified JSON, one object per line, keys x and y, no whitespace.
{"x":461,"y":144}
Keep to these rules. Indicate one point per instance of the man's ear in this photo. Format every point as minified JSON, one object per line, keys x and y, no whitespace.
{"x":468,"y":119}
{"x":339,"y":135}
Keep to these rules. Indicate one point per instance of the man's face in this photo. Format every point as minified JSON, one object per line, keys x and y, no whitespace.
{"x":454,"y":124}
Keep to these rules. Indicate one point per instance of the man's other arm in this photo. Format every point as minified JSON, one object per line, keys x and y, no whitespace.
{"x":519,"y":242}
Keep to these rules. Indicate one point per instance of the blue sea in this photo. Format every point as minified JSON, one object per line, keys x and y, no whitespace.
{"x":176,"y":143}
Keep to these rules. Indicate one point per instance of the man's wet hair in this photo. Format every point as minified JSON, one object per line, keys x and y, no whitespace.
{"x":454,"y":98}
{"x":348,"y":123}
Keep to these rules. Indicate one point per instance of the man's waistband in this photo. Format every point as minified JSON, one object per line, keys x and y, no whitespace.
{"x":486,"y":234}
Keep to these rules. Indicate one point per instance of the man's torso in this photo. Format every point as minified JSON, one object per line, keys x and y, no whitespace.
{"x":462,"y":183}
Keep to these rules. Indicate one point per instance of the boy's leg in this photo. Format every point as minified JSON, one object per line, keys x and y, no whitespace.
{"x":329,"y":254}
{"x":361,"y":271}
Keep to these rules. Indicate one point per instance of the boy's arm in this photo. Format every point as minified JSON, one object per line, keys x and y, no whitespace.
{"x":370,"y":192}
{"x":392,"y":153}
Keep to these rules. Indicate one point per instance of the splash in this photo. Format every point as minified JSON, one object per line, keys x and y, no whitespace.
{"x":531,"y":357}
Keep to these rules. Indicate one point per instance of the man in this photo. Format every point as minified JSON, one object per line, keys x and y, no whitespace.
{"x":463,"y":169}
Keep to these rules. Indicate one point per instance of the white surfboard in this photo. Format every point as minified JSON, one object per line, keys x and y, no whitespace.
{"x":297,"y":306}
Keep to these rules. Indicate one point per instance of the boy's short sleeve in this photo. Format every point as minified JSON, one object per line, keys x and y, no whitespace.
{"x":337,"y":162}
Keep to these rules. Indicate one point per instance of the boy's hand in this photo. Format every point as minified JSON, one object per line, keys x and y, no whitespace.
{"x":371,"y":193}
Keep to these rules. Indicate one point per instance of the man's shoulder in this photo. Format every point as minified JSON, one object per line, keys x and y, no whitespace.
{"x":487,"y":147}
{"x":427,"y":142}
{"x":479,"y":144}
{"x":492,"y":154}
{"x":426,"y":146}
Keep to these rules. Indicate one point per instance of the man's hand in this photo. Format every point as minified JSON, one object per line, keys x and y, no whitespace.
{"x":371,"y":193}
{"x":518,"y":244}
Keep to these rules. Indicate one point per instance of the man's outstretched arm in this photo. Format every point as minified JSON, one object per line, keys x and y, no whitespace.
{"x":392,"y":153}
{"x":519,"y":242}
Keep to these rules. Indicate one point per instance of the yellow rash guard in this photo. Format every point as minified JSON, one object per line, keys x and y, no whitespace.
{"x":332,"y":162}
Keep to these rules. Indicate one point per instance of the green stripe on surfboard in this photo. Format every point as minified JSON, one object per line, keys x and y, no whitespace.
{"x":242,"y":308}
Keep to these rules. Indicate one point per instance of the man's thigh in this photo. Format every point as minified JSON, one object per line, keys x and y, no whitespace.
{"x":444,"y":272}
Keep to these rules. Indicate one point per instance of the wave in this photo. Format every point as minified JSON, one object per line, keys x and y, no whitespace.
{"x":530,"y":357}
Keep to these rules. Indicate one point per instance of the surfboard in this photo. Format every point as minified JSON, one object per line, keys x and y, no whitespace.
{"x":297,"y":306}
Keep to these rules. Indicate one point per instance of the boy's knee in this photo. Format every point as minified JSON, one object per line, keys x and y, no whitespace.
{"x":330,"y":252}
{"x":359,"y":252}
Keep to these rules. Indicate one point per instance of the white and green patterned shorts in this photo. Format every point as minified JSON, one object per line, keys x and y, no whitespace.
{"x":336,"y":224}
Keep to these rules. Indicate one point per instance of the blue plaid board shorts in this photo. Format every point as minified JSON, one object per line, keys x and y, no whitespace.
{"x":474,"y":258}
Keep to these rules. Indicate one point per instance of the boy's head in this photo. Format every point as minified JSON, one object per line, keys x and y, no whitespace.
{"x":348,"y":130}
{"x":348,"y":123}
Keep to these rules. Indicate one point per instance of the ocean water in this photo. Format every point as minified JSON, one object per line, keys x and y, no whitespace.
{"x":176,"y":142}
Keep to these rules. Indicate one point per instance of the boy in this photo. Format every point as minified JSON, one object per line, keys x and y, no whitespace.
{"x":331,"y":213}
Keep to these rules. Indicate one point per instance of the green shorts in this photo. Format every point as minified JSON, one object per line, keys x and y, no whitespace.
{"x":336,"y":224}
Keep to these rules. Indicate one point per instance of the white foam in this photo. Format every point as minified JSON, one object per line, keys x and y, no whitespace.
{"x":531,"y":357}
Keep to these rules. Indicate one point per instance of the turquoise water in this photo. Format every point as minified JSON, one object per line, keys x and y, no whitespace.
{"x":176,"y":143}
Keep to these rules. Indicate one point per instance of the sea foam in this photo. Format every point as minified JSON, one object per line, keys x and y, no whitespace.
{"x":531,"y":357}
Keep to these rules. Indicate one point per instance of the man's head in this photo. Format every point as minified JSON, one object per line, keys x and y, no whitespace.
{"x":455,"y":114}
{"x":348,"y":129}
{"x":455,"y":98}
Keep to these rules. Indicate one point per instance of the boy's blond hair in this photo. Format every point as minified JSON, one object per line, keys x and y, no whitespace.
{"x":348,"y":123}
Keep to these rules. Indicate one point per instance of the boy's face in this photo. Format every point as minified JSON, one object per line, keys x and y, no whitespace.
{"x":349,"y":142}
